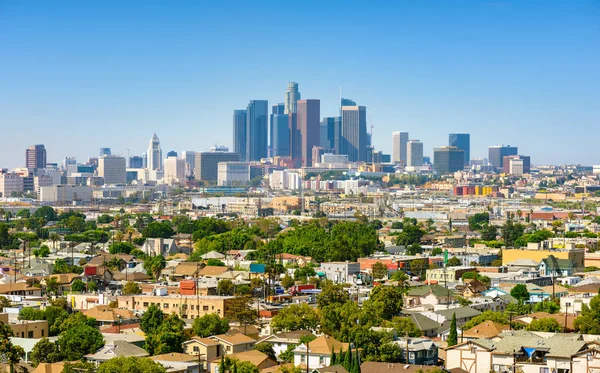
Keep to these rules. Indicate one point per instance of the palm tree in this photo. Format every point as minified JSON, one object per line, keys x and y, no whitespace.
{"x":119,"y":236}
{"x":402,"y":279}
{"x":130,"y":231}
{"x":117,"y":219}
{"x":54,"y":237}
{"x":519,"y":214}
{"x":571,"y":215}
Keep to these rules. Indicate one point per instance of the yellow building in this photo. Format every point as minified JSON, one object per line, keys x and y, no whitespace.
{"x":577,"y":256}
{"x":183,"y":305}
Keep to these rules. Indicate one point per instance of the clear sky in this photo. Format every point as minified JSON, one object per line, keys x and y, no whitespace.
{"x":80,"y":75}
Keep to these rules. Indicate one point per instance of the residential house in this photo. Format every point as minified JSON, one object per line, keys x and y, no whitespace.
{"x":319,"y":352}
{"x":552,"y":266}
{"x":212,"y":271}
{"x":463,"y":314}
{"x":213,"y":255}
{"x":234,"y":343}
{"x":65,"y":280}
{"x":427,"y":325}
{"x":291,"y":259}
{"x":160,"y":246}
{"x":340,"y":272}
{"x":178,"y":363}
{"x":281,"y":341}
{"x":523,"y":264}
{"x":116,"y":349}
{"x":379,"y":367}
{"x":448,"y":274}
{"x":521,"y":351}
{"x":208,"y":349}
{"x":428,"y":295}
{"x":486,"y":329}
{"x":20,"y":288}
{"x":470,"y":288}
{"x":421,"y":351}
{"x":106,"y":315}
{"x":254,"y":357}
{"x":565,"y":320}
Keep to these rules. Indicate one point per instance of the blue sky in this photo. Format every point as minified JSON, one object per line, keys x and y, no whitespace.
{"x":80,"y":75}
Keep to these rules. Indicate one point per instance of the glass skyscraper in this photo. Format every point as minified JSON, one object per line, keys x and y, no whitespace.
{"x":280,"y":132}
{"x":461,"y":141}
{"x":257,"y":132}
{"x":239,"y":133}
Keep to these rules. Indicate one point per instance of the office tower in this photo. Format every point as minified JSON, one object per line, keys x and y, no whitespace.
{"x":307,"y":132}
{"x":516,"y":164}
{"x":414,"y":153}
{"x":206,"y":167}
{"x":280,"y":132}
{"x":257,"y":130}
{"x":175,"y":169}
{"x":69,"y":161}
{"x":154,"y":154}
{"x":448,"y":159}
{"x":461,"y":141}
{"x":347,"y":102}
{"x":35,"y":157}
{"x":136,"y":161}
{"x":10,"y":183}
{"x":329,"y":129}
{"x":190,"y":161}
{"x":399,"y":143}
{"x":171,"y":153}
{"x":291,"y":98}
{"x":498,"y":152}
{"x":105,"y":151}
{"x":354,"y":133}
{"x":239,"y":133}
{"x":233,"y":173}
{"x":113,"y":169}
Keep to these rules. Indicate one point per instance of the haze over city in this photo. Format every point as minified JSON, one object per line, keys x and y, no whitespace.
{"x":79,"y":76}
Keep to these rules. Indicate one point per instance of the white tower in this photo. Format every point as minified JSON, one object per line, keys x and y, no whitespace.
{"x":154,"y":154}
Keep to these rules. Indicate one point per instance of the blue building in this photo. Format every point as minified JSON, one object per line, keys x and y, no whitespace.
{"x":461,"y":141}
{"x":257,"y":132}
{"x":280,"y":132}
{"x":239,"y":133}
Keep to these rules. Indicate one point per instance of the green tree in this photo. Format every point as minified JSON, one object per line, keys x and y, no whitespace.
{"x":215,"y":263}
{"x":10,"y":353}
{"x":478,"y":220}
{"x":332,"y":294}
{"x":75,"y":224}
{"x":295,"y":317}
{"x":29,"y":313}
{"x":588,"y":321}
{"x":151,"y":320}
{"x":78,"y":341}
{"x":405,"y":325}
{"x":225,"y":287}
{"x":511,"y":232}
{"x":287,"y":356}
{"x":547,"y":305}
{"x":132,"y":288}
{"x":77,"y":286}
{"x":384,"y":302}
{"x":239,"y":310}
{"x":436,"y":251}
{"x":43,"y":251}
{"x":498,"y":317}
{"x":168,"y":337}
{"x":520,"y":293}
{"x":454,"y":262}
{"x":489,"y":232}
{"x":120,"y":247}
{"x":287,"y":281}
{"x":453,"y":336}
{"x":545,"y":324}
{"x":390,"y":353}
{"x":45,"y":212}
{"x":210,"y":324}
{"x":154,"y":266}
{"x":44,"y":351}
{"x":158,"y":230}
{"x":74,"y":320}
{"x":380,"y":271}
{"x":131,"y":365}
{"x":410,"y":235}
{"x":267,"y":349}
{"x":418,"y":266}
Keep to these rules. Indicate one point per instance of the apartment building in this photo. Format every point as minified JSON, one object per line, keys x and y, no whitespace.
{"x":187,"y":306}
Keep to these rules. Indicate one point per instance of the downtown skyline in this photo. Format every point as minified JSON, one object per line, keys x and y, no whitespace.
{"x":534,"y":83}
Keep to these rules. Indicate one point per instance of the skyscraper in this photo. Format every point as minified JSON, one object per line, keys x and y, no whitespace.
{"x":461,"y":141}
{"x":354,"y":133}
{"x":280,"y":132}
{"x":135,"y":161}
{"x":35,"y":156}
{"x":113,"y":169}
{"x":498,"y":152}
{"x":154,"y":154}
{"x":171,"y":153}
{"x":307,"y":132}
{"x":257,"y":132}
{"x":399,"y":142}
{"x":239,"y":133}
{"x":414,"y":153}
{"x":190,"y":160}
{"x":105,"y":151}
{"x":448,"y":159}
{"x":328,"y":132}
{"x":291,"y":98}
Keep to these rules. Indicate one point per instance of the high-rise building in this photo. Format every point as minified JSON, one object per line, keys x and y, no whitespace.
{"x":154,"y":154}
{"x":239,"y":133}
{"x":35,"y":157}
{"x":448,"y":159}
{"x":105,"y":151}
{"x":257,"y":132}
{"x":113,"y":169}
{"x":190,"y":161}
{"x":307,"y":132}
{"x":280,"y":132}
{"x":354,"y":141}
{"x":175,"y":169}
{"x":135,"y":161}
{"x":233,"y":173}
{"x":461,"y":141}
{"x":516,"y":164}
{"x":171,"y":153}
{"x":206,"y":165}
{"x":347,"y":102}
{"x":330,"y":126}
{"x":498,"y":152}
{"x":414,"y":153}
{"x":399,"y":143}
{"x":291,"y":98}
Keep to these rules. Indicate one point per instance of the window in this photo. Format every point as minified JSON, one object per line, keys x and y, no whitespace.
{"x":321,"y":360}
{"x":30,"y":334}
{"x":411,"y":355}
{"x":205,"y":308}
{"x":302,"y":358}
{"x":42,"y":332}
{"x":544,"y":370}
{"x":166,"y":305}
{"x":228,"y":348}
{"x":196,"y":348}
